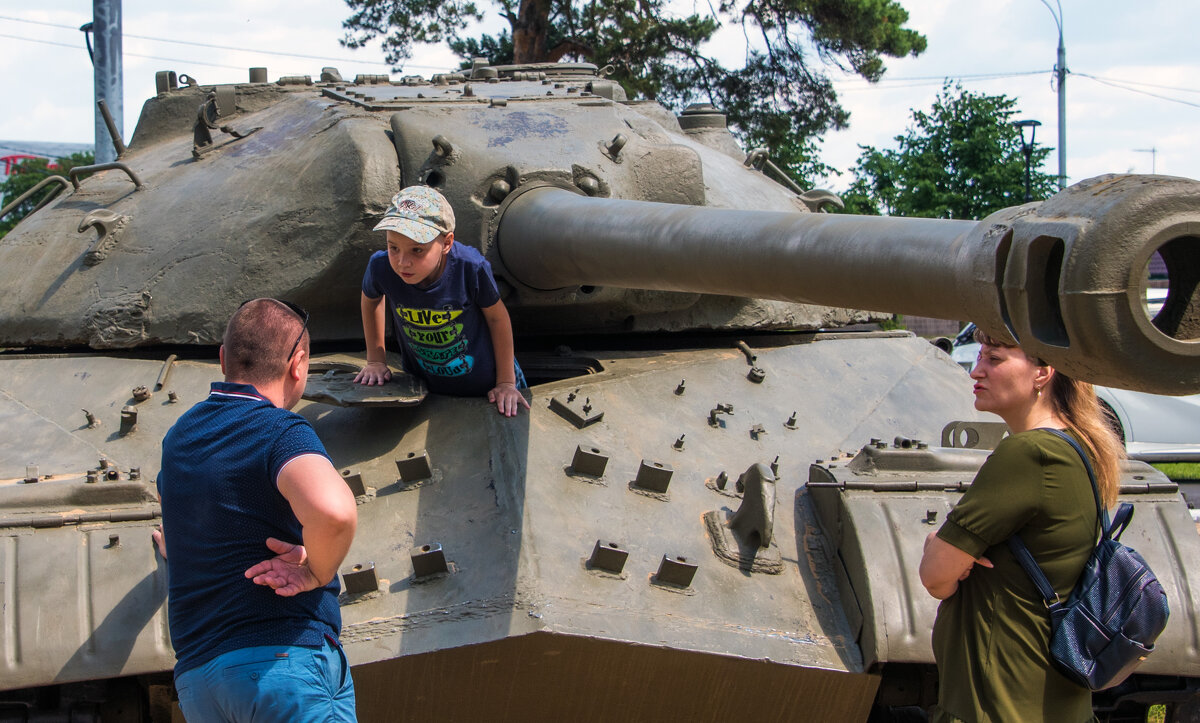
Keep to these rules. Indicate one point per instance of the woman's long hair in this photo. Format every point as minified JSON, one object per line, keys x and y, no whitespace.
{"x":1076,"y":404}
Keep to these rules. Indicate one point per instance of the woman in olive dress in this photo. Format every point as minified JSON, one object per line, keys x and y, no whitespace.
{"x":991,"y":639}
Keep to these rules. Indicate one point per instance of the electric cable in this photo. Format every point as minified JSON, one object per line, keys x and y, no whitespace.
{"x":126,"y":52}
{"x":217,"y":47}
{"x":1122,"y":87}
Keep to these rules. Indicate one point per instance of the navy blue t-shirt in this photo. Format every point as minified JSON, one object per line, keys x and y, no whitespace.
{"x":219,"y":505}
{"x":443,"y":334}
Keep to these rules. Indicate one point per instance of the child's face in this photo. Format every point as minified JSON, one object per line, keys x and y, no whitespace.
{"x":416,"y":263}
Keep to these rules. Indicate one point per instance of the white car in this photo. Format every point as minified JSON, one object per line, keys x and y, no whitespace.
{"x":1156,"y":428}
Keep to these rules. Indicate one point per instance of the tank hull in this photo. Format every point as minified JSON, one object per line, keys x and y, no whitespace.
{"x":516,"y":523}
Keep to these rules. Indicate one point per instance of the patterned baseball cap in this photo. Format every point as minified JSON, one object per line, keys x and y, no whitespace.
{"x":420,"y":213}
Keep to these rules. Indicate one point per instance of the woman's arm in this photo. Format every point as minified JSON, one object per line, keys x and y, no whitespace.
{"x":943,"y":566}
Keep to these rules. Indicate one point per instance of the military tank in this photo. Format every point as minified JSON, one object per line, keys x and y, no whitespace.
{"x":716,"y":505}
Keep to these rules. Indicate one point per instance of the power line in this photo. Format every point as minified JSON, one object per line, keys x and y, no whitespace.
{"x":1141,"y":83}
{"x":219,"y":47}
{"x":925,"y":81}
{"x":963,"y":76}
{"x":133,"y":55}
{"x":1122,"y":86}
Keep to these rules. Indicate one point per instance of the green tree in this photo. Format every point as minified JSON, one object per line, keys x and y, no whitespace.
{"x":780,"y":99}
{"x":27,"y":174}
{"x":962,"y":159}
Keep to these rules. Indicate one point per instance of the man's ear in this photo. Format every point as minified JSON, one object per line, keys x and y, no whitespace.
{"x":294,"y":366}
{"x":221,"y":356}
{"x":448,"y":241}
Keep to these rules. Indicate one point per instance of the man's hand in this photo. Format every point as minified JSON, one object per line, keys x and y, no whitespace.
{"x":507,"y":397}
{"x":374,"y":374}
{"x":288,"y":572}
{"x":159,"y":541}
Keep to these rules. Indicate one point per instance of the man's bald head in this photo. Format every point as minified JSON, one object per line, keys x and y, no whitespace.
{"x":258,"y":339}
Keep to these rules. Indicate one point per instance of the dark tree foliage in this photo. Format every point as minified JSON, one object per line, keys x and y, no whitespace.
{"x":961,"y":159}
{"x":780,"y":99}
{"x":27,"y":174}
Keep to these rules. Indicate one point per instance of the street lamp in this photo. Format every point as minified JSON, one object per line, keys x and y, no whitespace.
{"x":1027,"y":148}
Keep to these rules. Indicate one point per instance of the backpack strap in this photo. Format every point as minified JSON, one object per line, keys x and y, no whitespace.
{"x":1101,"y":511}
{"x":1025,"y":558}
{"x":1120,"y":520}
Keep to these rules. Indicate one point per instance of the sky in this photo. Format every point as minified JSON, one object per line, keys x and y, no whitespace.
{"x":1134,"y":82}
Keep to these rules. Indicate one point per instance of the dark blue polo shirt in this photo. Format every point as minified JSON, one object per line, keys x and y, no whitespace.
{"x":219,"y":505}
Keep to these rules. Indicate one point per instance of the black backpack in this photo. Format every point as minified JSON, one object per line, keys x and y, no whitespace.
{"x":1116,"y":611}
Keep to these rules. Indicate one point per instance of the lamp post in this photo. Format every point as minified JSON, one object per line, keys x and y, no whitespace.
{"x":1027,"y":149}
{"x":1060,"y":75}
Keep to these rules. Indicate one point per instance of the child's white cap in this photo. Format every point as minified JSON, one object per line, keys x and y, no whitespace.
{"x":420,"y":213}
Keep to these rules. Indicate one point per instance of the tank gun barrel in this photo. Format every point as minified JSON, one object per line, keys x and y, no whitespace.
{"x":1066,"y":278}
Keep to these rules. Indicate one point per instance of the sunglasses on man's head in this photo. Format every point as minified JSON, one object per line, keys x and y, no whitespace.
{"x":298,"y":312}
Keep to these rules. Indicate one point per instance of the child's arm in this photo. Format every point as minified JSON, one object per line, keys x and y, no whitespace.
{"x":505,"y":395}
{"x":374,"y":315}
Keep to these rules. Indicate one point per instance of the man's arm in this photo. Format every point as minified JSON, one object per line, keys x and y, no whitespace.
{"x":326,"y":509}
{"x":943,"y":566}
{"x":374,"y":317}
{"x":505,"y":394}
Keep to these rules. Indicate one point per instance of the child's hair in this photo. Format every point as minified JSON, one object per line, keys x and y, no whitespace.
{"x":1076,"y":404}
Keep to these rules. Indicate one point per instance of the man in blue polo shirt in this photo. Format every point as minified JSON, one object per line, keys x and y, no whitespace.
{"x":256,"y":522}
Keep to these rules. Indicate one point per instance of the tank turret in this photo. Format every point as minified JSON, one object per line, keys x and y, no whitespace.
{"x":716,"y":504}
{"x":633,"y":240}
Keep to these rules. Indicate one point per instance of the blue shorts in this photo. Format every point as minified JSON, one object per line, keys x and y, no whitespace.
{"x":270,"y":683}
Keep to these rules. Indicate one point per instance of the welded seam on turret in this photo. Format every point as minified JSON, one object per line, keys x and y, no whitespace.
{"x":396,"y":624}
{"x":8,"y":395}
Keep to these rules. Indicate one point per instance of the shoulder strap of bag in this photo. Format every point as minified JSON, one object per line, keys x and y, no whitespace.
{"x":1101,"y":511}
{"x":1034,"y":570}
{"x":1025,"y":558}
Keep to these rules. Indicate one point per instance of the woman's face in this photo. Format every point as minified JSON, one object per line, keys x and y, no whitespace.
{"x":1006,"y":381}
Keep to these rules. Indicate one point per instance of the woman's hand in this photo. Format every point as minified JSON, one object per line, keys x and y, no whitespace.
{"x":943,"y":566}
{"x":982,"y":562}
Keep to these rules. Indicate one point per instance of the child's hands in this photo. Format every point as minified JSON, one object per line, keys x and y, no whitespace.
{"x":506,"y":397}
{"x":374,"y":373}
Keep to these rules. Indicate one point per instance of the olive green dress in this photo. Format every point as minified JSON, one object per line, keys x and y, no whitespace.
{"x":991,"y":637}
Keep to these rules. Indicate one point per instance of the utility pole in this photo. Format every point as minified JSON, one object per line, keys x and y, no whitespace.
{"x":1153,"y":157}
{"x":1060,"y":76}
{"x":108,"y":74}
